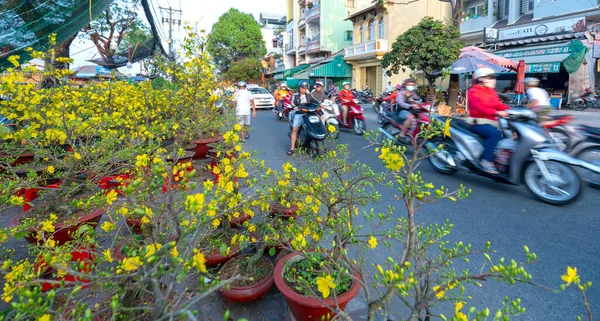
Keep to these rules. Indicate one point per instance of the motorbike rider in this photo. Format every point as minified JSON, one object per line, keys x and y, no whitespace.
{"x":280,"y":95}
{"x":299,"y":98}
{"x":538,"y":99}
{"x":318,"y":92}
{"x":394,"y":94}
{"x":485,"y":107}
{"x":346,"y":96}
{"x":407,"y":105}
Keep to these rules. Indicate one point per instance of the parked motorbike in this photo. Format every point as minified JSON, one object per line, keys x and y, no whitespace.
{"x":330,"y":113}
{"x":356,"y":120}
{"x":530,"y":158}
{"x":312,"y":132}
{"x":392,"y":124}
{"x":287,"y":108}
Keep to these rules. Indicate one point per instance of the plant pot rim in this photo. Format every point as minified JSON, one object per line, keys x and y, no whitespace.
{"x":16,"y":221}
{"x":206,"y":140}
{"x":312,"y":302}
{"x":262,"y":281}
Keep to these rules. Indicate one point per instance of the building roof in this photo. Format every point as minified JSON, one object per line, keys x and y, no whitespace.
{"x":361,"y":12}
{"x":271,"y":16}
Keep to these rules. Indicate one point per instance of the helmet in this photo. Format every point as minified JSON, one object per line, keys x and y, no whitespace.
{"x":283,"y":85}
{"x":398,"y":86}
{"x":242,"y":84}
{"x":407,"y":81}
{"x":303,"y":84}
{"x":345,"y":83}
{"x":318,"y":83}
{"x":531,"y":81}
{"x":483,"y":72}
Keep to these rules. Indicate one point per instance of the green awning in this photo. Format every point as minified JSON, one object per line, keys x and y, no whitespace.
{"x":289,"y":72}
{"x":334,"y":67}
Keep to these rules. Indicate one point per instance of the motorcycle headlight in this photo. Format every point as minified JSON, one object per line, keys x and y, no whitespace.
{"x":313,"y":119}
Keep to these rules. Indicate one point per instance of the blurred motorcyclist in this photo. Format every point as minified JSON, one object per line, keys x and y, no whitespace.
{"x":407,"y":105}
{"x":318,"y":92}
{"x":346,"y":96}
{"x":280,"y":95}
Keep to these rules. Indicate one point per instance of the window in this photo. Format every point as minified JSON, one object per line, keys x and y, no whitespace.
{"x":362,"y":33}
{"x":381,"y":29}
{"x":348,"y":36}
{"x":477,"y":11}
{"x":372,"y":29}
{"x":258,"y":91}
{"x":526,"y":6}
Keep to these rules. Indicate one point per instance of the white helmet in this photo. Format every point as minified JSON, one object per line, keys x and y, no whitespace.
{"x":242,"y":84}
{"x":283,"y":85}
{"x":531,"y":81}
{"x":483,"y":72}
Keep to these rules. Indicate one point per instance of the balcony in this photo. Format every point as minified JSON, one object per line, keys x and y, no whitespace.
{"x":313,"y":14}
{"x":301,"y":2}
{"x":366,"y":50}
{"x":290,"y":49}
{"x":302,"y":23}
{"x":313,"y":45}
{"x":302,"y":49}
{"x":279,"y":69}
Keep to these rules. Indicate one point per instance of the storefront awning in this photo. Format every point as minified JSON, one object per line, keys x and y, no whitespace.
{"x":334,"y":67}
{"x":289,"y":72}
{"x":539,"y":59}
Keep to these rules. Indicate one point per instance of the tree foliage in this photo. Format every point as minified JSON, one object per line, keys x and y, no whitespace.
{"x":456,"y":6}
{"x":245,"y":69}
{"x":429,"y":46}
{"x":234,"y":37}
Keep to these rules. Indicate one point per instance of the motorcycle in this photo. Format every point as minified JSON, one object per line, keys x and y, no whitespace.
{"x":312,"y":132}
{"x":287,"y":108}
{"x":588,"y":99}
{"x":379,"y":100}
{"x":392,"y":124}
{"x":356,"y":120}
{"x":530,"y":158}
{"x":330,"y":113}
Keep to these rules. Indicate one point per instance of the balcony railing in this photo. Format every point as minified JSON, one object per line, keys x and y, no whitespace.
{"x":290,"y":49}
{"x":313,"y":13}
{"x":301,"y":49}
{"x":313,"y":45}
{"x":369,"y":48}
{"x":302,"y":22}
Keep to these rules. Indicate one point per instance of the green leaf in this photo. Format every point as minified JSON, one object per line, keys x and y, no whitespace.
{"x":272,"y":251}
{"x":223,"y":249}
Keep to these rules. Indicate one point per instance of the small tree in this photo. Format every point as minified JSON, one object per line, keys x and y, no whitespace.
{"x":429,"y":46}
{"x":245,"y":69}
{"x":235,"y":36}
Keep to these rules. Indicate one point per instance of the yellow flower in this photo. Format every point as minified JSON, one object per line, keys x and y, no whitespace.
{"x":198,"y":261}
{"x":325,"y":285}
{"x":372,"y":242}
{"x":45,"y":317}
{"x":108,"y":255}
{"x":571,"y":276}
{"x":237,"y":127}
{"x":111,"y":196}
{"x":446,"y":127}
{"x":50,"y":169}
{"x":77,"y":155}
{"x":439,"y":294}
{"x":331,"y":128}
{"x":216,"y":223}
{"x":131,"y":263}
{"x":299,"y":242}
{"x":151,"y":249}
{"x":458,"y":315}
{"x":174,"y":252}
{"x":107,"y":226}
{"x":308,"y":199}
{"x":50,"y":243}
{"x":16,"y":200}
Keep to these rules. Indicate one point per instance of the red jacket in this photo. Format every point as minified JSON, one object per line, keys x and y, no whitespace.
{"x":484,"y":102}
{"x":391,"y":97}
{"x":346,"y":95}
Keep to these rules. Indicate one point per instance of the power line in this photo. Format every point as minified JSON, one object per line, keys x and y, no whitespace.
{"x":171,"y":21}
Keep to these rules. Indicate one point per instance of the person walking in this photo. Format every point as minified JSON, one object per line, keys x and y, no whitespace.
{"x":244,"y":104}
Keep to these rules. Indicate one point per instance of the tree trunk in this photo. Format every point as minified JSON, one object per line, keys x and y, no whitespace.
{"x":453,"y":91}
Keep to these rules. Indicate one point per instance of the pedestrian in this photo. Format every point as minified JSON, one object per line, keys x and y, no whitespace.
{"x":538,"y":99}
{"x":389,"y":87}
{"x":244,"y":104}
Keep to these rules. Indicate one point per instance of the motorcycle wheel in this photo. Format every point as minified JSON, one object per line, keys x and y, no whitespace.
{"x":579,"y":105}
{"x":562,"y":193}
{"x":591,"y":155}
{"x":376,"y":107}
{"x":437,"y":163}
{"x":359,"y":126}
{"x":320,"y":147}
{"x":380,"y":118}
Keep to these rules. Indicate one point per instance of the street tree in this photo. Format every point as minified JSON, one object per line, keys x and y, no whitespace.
{"x":245,"y":69}
{"x":456,"y":6}
{"x":234,"y":37}
{"x":430,"y":46}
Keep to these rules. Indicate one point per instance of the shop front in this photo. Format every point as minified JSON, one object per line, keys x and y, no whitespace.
{"x":329,"y":71}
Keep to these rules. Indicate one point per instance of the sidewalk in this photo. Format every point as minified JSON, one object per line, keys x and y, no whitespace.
{"x":590,"y":118}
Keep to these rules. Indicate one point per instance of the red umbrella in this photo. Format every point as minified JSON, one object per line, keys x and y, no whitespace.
{"x":519,"y":87}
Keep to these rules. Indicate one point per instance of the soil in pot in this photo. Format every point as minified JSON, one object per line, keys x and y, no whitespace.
{"x":300,"y":296}
{"x":212,"y":250}
{"x":284,"y":212}
{"x":254,"y":284}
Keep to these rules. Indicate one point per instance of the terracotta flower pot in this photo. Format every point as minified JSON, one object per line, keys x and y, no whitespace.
{"x":20,"y":160}
{"x":135,"y":224}
{"x":309,"y":308}
{"x":215,"y":258}
{"x":202,"y":147}
{"x":82,"y":255}
{"x":63,"y":231}
{"x":280,"y":211}
{"x":248,"y":293}
{"x":239,"y":222}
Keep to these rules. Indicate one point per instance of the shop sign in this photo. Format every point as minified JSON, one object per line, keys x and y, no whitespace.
{"x":543,"y":29}
{"x":549,"y":67}
{"x":536,"y":52}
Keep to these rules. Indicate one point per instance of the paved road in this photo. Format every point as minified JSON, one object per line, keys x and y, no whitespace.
{"x":505,"y":215}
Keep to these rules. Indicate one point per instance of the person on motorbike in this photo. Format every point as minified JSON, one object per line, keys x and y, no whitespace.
{"x":346,"y":96}
{"x":538,"y":99}
{"x":407,"y":106}
{"x":299,"y":98}
{"x":485,"y":107}
{"x":280,"y":96}
{"x":392,"y":97}
{"x":318,"y":92}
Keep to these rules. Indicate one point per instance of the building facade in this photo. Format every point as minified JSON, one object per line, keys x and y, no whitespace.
{"x":374,"y":31}
{"x":273,"y":32}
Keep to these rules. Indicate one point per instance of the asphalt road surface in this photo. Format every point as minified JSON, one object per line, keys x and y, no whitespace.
{"x":507,"y":216}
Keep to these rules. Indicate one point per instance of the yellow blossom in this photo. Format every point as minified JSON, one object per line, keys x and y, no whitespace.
{"x":198,"y":261}
{"x":372,"y":242}
{"x":77,"y":155}
{"x":50,"y":169}
{"x":174,"y":252}
{"x":299,"y":242}
{"x":325,"y":285}
{"x":439,"y":294}
{"x":16,"y":200}
{"x":131,"y":263}
{"x":108,"y":255}
{"x":571,"y":276}
{"x":446,"y":127}
{"x":458,"y":315}
{"x":111,"y":196}
{"x":237,"y":127}
{"x":45,"y":317}
{"x":107,"y":226}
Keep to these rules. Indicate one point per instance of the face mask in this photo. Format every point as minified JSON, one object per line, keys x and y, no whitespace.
{"x":410,"y":88}
{"x":489,"y":83}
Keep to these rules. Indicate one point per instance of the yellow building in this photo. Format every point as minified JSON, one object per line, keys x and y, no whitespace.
{"x":376,"y":29}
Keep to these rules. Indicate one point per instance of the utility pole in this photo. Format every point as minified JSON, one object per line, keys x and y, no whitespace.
{"x":171,"y":22}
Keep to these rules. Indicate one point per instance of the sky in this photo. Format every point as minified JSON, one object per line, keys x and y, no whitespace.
{"x":203,"y":12}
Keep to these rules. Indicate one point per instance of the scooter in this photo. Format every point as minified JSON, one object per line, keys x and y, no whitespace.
{"x":330,"y":113}
{"x":526,"y":154}
{"x":377,"y":102}
{"x":392,"y":124}
{"x":312,"y":132}
{"x":356,"y":120}
{"x":287,"y":108}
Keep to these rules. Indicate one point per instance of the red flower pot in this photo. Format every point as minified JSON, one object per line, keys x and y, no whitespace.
{"x":215,"y":258}
{"x":201,"y":149}
{"x":239,"y":222}
{"x":249,"y":293}
{"x":63,"y":231}
{"x":135,"y":224}
{"x":114,"y":182}
{"x":30,"y":194}
{"x":21,"y":159}
{"x":278,"y":210}
{"x":309,"y":308}
{"x":79,"y":255}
